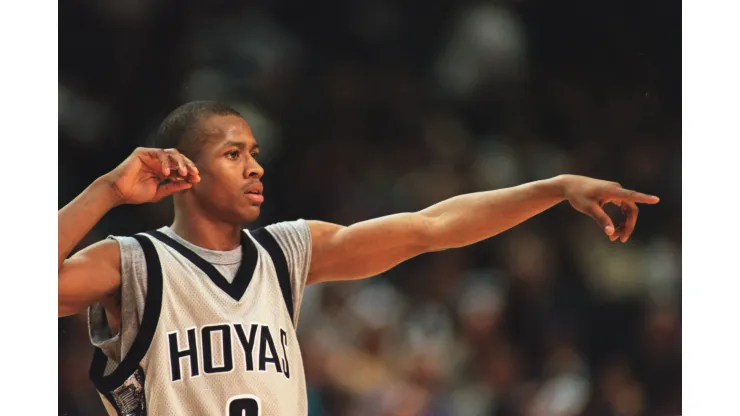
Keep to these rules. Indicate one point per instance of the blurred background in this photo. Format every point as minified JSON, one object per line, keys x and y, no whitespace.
{"x":369,"y":107}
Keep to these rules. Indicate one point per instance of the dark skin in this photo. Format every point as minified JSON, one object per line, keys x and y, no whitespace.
{"x":212,"y":203}
{"x":211,"y":214}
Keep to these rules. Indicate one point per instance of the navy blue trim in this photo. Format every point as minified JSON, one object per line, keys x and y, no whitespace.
{"x":152,"y":308}
{"x":266,"y":240}
{"x":243,"y":277}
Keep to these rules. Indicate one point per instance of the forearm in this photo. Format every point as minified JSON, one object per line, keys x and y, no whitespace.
{"x":470,"y":218}
{"x":78,"y":217}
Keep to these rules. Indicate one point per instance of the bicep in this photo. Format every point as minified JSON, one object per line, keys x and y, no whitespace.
{"x":88,"y":277}
{"x":365,"y":249}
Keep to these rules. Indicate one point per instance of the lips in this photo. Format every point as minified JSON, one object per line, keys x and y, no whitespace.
{"x":254,"y":193}
{"x":254,"y":189}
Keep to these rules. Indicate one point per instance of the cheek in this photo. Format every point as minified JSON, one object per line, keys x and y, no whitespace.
{"x":227,"y":170}
{"x":220,"y":180}
{"x":220,"y":169}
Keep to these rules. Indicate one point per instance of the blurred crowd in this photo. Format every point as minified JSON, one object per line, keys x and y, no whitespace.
{"x":364,"y":108}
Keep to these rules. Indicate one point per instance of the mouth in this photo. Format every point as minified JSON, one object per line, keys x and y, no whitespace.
{"x":254,"y":193}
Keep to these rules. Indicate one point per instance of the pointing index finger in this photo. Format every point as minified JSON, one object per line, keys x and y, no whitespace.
{"x":634,"y":196}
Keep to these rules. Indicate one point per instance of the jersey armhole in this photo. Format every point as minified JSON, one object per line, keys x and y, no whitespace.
{"x":152,"y":308}
{"x":268,"y":242}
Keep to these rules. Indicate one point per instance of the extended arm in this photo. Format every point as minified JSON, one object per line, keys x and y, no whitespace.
{"x":372,"y":247}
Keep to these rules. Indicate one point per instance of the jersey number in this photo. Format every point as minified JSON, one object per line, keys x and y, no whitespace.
{"x":244,"y":405}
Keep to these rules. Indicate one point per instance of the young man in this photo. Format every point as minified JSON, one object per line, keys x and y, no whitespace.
{"x":198,"y":318}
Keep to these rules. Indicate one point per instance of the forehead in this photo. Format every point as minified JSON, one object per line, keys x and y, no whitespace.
{"x":219,"y":130}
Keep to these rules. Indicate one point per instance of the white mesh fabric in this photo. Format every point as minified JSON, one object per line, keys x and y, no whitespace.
{"x":191,"y":300}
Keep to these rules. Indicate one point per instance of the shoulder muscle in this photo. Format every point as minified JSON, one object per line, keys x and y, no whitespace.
{"x":88,"y":276}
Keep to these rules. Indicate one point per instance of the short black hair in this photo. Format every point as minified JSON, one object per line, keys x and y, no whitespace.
{"x":180,"y":129}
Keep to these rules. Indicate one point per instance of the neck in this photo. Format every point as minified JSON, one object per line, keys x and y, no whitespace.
{"x":207,"y":233}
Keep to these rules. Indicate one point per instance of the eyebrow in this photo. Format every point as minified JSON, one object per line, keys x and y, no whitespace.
{"x":241,"y":145}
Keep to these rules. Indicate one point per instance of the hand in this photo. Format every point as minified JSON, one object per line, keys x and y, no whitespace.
{"x":589,"y":195}
{"x":148,"y":175}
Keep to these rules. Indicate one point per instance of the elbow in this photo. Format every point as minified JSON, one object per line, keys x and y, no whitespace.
{"x":430,"y":238}
{"x":439,"y":234}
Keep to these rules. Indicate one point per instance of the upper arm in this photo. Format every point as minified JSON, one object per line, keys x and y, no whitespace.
{"x":89,"y":276}
{"x":365,"y":249}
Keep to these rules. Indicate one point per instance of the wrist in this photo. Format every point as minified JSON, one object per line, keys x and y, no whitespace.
{"x":559,"y":186}
{"x":106,"y":192}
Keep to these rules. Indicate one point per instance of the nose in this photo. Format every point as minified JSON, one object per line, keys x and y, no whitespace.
{"x":253,"y":170}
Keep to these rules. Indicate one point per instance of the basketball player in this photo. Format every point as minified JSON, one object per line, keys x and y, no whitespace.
{"x":198,"y":318}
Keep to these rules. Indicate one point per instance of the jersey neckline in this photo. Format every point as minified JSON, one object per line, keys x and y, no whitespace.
{"x":215,"y":257}
{"x":238,"y":286}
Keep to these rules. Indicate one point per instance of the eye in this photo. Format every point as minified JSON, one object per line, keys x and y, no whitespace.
{"x":255,"y":154}
{"x":234,"y":154}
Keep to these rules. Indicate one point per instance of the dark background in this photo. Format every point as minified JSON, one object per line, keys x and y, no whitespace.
{"x":369,"y":107}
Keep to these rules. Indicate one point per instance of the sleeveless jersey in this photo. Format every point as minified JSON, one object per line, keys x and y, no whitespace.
{"x":206,"y":345}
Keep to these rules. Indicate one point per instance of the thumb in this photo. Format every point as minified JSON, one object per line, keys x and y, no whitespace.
{"x":170,"y":188}
{"x":598,"y":214}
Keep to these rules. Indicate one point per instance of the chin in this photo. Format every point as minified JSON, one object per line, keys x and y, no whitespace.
{"x":250,"y":214}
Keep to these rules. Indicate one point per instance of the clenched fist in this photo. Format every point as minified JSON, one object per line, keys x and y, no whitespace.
{"x":148,"y":175}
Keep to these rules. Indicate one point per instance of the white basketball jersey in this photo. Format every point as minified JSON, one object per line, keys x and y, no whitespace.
{"x":206,"y":346}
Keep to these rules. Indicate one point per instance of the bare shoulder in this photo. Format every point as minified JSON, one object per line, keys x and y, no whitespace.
{"x":89,"y":276}
{"x":106,"y":251}
{"x":322,"y":228}
{"x":102,"y":259}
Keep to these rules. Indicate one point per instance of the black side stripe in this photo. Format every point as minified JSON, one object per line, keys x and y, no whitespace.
{"x":267,"y":241}
{"x":152,"y":308}
{"x":243,"y":277}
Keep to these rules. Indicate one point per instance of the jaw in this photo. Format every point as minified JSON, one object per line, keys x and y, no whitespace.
{"x":229,"y":210}
{"x":250,"y":214}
